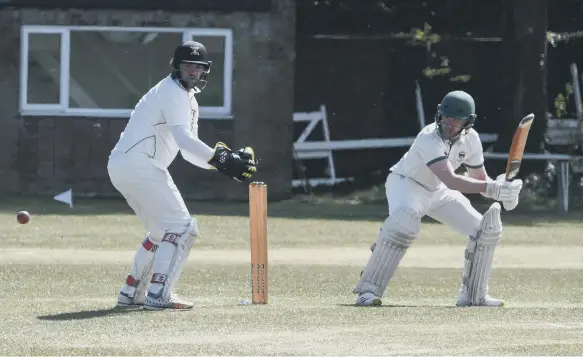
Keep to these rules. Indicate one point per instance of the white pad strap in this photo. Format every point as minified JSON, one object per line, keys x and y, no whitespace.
{"x":479,"y":254}
{"x":177,"y":247}
{"x":397,"y":234}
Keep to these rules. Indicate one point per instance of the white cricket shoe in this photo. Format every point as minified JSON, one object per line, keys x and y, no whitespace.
{"x":368,"y":299}
{"x":155,"y":302}
{"x":125,"y":300}
{"x":464,"y":300}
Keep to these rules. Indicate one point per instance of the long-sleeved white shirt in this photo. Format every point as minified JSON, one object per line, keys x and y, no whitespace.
{"x":165,"y":121}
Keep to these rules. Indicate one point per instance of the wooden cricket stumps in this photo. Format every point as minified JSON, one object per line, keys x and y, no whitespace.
{"x":258,"y":219}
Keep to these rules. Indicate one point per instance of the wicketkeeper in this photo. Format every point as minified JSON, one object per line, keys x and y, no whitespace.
{"x":165,"y":121}
{"x":424,"y":183}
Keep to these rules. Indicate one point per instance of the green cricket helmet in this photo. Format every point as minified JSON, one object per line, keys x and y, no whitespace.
{"x":458,"y":105}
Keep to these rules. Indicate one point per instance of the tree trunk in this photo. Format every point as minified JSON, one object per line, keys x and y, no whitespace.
{"x":524,"y":62}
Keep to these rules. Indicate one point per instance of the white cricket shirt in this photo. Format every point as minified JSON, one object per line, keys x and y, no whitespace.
{"x":149,"y":128}
{"x":429,"y":147}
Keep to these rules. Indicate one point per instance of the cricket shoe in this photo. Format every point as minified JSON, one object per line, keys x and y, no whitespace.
{"x":125,"y":300}
{"x":154,"y":302}
{"x":487,"y":301}
{"x":368,"y":299}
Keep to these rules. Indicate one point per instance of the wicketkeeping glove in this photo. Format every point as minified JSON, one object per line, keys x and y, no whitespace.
{"x":239,"y":166}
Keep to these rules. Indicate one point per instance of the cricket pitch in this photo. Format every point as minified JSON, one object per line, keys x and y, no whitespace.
{"x":62,"y":273}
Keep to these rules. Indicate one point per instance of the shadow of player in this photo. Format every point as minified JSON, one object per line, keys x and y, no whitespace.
{"x":402,"y":306}
{"x":89,"y":314}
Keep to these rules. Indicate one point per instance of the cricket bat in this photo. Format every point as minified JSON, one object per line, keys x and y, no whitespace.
{"x":517,"y":147}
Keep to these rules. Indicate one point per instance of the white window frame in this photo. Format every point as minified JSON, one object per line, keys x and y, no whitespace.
{"x":63,"y":109}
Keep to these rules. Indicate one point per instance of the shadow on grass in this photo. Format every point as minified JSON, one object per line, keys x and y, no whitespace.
{"x":89,"y":314}
{"x":395,"y":306}
{"x":296,"y":208}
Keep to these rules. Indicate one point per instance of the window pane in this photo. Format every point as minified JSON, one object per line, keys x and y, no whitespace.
{"x":44,"y":71}
{"x":212,"y":96}
{"x":113,"y":69}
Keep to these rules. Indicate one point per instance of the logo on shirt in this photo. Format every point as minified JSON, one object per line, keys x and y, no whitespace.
{"x":193,"y":116}
{"x":461,"y":155}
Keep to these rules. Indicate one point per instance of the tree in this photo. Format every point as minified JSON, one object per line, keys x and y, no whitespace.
{"x":524,"y":71}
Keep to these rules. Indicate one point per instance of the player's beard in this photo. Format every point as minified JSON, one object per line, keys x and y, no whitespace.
{"x":189,"y":82}
{"x":194,"y":83}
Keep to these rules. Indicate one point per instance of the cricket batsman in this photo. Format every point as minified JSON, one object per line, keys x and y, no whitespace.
{"x":424,"y":183}
{"x":164,"y":122}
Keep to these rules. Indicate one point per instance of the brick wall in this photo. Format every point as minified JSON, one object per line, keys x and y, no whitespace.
{"x":45,"y":155}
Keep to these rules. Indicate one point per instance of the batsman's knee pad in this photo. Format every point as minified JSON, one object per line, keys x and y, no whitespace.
{"x":172,"y":255}
{"x":397,"y":234}
{"x":479,"y":253}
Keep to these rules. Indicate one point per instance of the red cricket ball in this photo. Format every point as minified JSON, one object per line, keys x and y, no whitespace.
{"x":23,"y":217}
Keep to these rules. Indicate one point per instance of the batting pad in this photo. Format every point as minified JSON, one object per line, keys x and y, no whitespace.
{"x":141,"y":272}
{"x":171,"y":257}
{"x":397,"y":234}
{"x":479,"y":254}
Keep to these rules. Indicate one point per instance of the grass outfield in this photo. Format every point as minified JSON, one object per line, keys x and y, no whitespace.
{"x":62,"y":273}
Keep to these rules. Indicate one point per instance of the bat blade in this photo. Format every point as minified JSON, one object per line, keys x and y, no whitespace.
{"x":517,"y":147}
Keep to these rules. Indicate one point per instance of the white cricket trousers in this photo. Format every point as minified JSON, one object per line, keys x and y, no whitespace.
{"x":444,"y":205}
{"x":151,"y":193}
